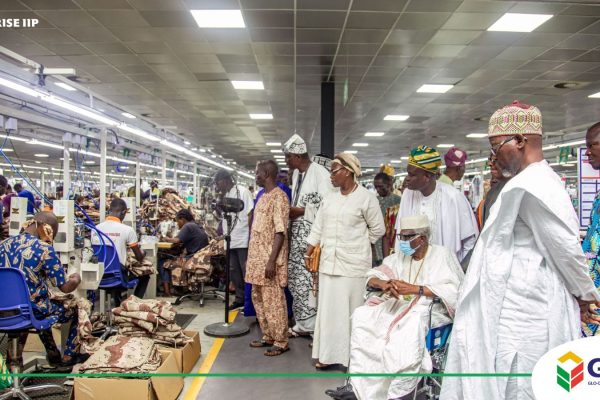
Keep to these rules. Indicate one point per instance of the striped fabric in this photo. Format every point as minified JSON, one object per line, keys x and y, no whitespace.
{"x":426,"y":158}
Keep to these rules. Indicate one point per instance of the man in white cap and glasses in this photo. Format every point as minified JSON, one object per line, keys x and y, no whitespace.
{"x":527,"y":286}
{"x":310,"y":184}
{"x":389,"y":331}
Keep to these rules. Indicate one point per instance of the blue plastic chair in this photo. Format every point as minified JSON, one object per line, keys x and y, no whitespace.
{"x":16,"y":316}
{"x":113,"y":270}
{"x":113,"y":279}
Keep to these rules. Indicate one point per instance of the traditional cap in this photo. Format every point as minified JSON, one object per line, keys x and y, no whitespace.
{"x":455,"y":157}
{"x":350,"y":162}
{"x":414,"y":222}
{"x":426,"y":158}
{"x":295,"y":145}
{"x":516,"y":118}
{"x":387,"y":169}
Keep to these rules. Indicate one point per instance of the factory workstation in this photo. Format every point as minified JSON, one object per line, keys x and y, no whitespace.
{"x":299,"y":199}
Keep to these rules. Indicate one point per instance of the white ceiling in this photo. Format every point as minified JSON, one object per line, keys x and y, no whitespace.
{"x":150,"y":57}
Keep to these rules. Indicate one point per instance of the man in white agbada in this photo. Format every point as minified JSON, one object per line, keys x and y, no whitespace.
{"x":452,"y":221}
{"x":527,"y":273}
{"x":310,"y":184}
{"x":388,"y":332}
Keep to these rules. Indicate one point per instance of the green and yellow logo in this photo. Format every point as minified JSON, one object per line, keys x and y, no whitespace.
{"x":566,"y":377}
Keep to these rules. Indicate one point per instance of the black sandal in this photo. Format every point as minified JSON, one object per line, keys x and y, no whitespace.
{"x":324,"y":367}
{"x":276,"y":351}
{"x":260,"y":343}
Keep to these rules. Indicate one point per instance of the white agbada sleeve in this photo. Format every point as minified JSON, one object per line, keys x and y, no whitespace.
{"x":374,"y":219}
{"x":316,"y":230}
{"x":559,"y":242}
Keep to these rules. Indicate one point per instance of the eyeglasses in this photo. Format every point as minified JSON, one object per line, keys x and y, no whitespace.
{"x":335,"y":171}
{"x":410,"y":238}
{"x":494,"y":150}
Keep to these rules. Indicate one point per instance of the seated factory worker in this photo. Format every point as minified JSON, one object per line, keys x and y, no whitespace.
{"x":191,"y":236}
{"x":32,"y":253}
{"x":123,"y":236}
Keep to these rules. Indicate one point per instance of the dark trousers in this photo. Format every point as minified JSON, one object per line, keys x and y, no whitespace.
{"x":237,"y":264}
{"x":139,"y":291}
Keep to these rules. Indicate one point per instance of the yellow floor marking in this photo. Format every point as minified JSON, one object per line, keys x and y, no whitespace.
{"x":211,"y":357}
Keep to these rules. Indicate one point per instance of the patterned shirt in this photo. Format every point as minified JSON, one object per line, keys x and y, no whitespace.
{"x":591,"y":248}
{"x":271,"y":216}
{"x":389,"y":209}
{"x":40,"y":264}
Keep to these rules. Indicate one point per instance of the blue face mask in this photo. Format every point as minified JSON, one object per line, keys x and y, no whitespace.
{"x":405,"y":247}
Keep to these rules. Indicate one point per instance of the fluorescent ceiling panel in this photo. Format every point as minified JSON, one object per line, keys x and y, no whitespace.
{"x":512,"y":22}
{"x":248,"y":85}
{"x":218,"y":18}
{"x":430,"y":88}
{"x":396,"y":117}
{"x":477,"y":135}
{"x":374,"y":134}
{"x":261,"y":116}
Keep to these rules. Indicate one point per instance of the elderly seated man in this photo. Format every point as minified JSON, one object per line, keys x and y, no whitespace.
{"x":32,"y":253}
{"x":389,"y":331}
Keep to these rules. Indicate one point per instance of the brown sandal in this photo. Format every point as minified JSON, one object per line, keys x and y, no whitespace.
{"x":260,"y":343}
{"x":276,"y":351}
{"x":323,"y":367}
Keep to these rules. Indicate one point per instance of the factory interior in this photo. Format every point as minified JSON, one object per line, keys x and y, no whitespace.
{"x":133,"y":113}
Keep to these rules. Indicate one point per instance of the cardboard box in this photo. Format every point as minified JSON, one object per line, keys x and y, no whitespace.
{"x":158,"y":388}
{"x":187,"y":355}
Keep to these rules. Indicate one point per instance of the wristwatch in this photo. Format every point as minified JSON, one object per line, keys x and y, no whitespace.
{"x":421,"y":291}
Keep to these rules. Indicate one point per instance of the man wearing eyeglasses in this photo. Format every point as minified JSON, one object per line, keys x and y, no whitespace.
{"x":527,"y":285}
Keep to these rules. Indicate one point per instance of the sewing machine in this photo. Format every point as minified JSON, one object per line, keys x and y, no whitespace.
{"x":18,"y":215}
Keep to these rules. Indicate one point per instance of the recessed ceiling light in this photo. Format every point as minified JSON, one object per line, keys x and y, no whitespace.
{"x":279,"y":156}
{"x":261,"y":116}
{"x":374,"y":134}
{"x":202,"y":150}
{"x":276,"y":151}
{"x":90,"y":162}
{"x":351,"y":151}
{"x":404,"y":158}
{"x":41,"y":155}
{"x":477,"y":135}
{"x":395,"y":117}
{"x":38,"y":162}
{"x":186,"y":142}
{"x":360,"y":144}
{"x":434,"y":88}
{"x":594,"y":96}
{"x":273,"y":143}
{"x":127,"y":115}
{"x":444,"y":146}
{"x":213,"y":156}
{"x":248,"y":85}
{"x":396,"y":161}
{"x":7,"y":150}
{"x":65,"y":86}
{"x":512,"y":22}
{"x":218,"y":18}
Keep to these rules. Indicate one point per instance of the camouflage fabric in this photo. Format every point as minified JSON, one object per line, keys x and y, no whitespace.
{"x":138,"y":268}
{"x":198,"y":268}
{"x":149,"y":318}
{"x":124,"y":354}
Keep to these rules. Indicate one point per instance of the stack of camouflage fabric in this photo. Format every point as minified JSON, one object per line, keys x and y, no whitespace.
{"x":197,"y":269}
{"x":149,"y":318}
{"x":137,"y":268}
{"x":124,"y":354}
{"x":168,"y":206}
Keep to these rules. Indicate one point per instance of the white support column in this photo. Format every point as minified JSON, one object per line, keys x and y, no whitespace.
{"x":164,"y":169}
{"x":138,"y":184}
{"x":175,"y":177}
{"x":103,"y":175}
{"x":43,"y":188}
{"x":195,"y":185}
{"x":66,"y":172}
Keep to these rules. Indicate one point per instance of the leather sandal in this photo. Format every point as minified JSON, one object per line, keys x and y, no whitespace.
{"x":276,"y":351}
{"x":260,"y":343}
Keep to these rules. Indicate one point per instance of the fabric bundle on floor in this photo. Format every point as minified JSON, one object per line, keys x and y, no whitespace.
{"x":149,"y":318}
{"x":137,"y":268}
{"x":124,"y":354}
{"x":198,"y":268}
